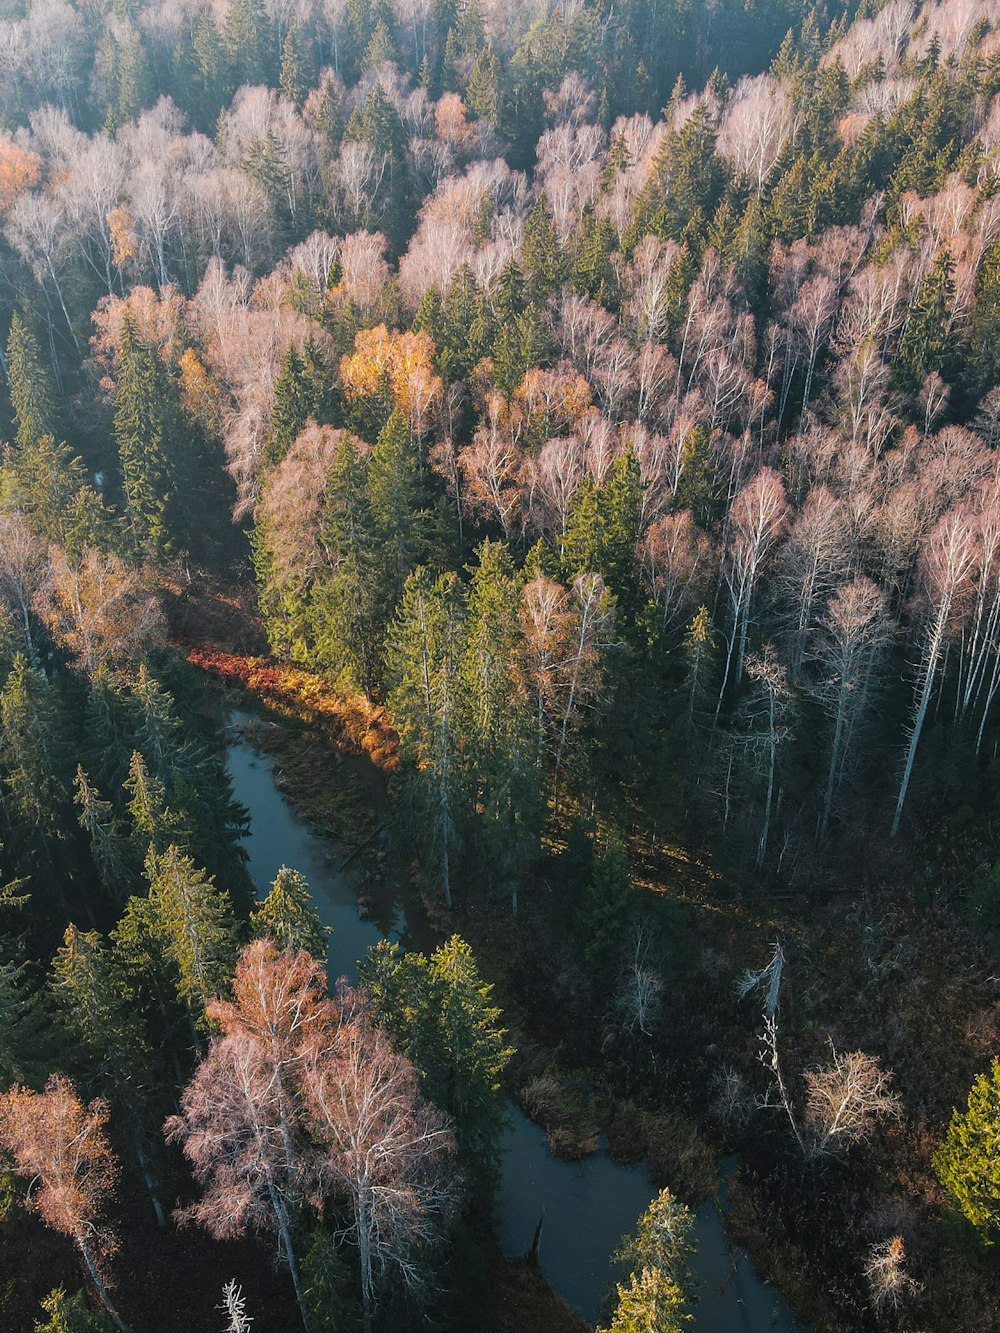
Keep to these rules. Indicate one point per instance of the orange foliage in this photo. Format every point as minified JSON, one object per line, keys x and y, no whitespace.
{"x":354,"y":721}
{"x":157,"y":317}
{"x":19,"y":171}
{"x":123,"y":239}
{"x":403,"y":362}
{"x":449,"y":118}
{"x":60,"y":1145}
{"x":561,"y":396}
{"x":199,"y":392}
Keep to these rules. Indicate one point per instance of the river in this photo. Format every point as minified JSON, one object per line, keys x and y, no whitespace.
{"x":589,"y":1204}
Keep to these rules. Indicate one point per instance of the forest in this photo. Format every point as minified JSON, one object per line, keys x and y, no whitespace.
{"x":571,"y":429}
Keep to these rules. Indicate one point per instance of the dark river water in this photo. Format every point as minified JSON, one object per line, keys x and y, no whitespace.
{"x":588,"y":1205}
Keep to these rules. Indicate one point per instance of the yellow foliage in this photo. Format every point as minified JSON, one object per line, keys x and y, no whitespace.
{"x":402,"y":363}
{"x":199,"y":394}
{"x":19,"y":171}
{"x":123,"y":239}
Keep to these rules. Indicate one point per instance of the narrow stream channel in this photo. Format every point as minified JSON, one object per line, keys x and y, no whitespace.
{"x":589,"y":1204}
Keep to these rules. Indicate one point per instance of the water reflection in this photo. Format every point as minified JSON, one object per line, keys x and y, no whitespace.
{"x":588,"y":1205}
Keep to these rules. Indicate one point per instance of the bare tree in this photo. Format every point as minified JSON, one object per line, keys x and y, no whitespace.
{"x":890,"y":1286}
{"x":103,"y":610}
{"x":389,"y":1155}
{"x":853,"y":635}
{"x":845,"y":1100}
{"x":640,"y":990}
{"x":60,"y":1145}
{"x":756,"y":521}
{"x":234,"y":1306}
{"x":24,"y":572}
{"x":948,"y":569}
{"x":812,"y":561}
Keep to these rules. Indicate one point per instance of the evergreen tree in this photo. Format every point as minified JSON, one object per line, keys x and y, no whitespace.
{"x":251,"y":42}
{"x":292,"y":406}
{"x":34,"y":756}
{"x":153,"y":824}
{"x":71,"y":1314}
{"x":32,"y":394}
{"x":608,"y":897}
{"x":296,"y":68}
{"x":926,"y":343}
{"x":500,"y":732}
{"x":347,"y":611}
{"x":49,"y":484}
{"x":288,"y":916}
{"x":211,"y":79}
{"x":484,"y":92}
{"x":399,"y":515}
{"x":968,"y":1162}
{"x":656,"y":1297}
{"x":193,"y":922}
{"x":543,"y":257}
{"x":424,"y":659}
{"x":439,"y":1012}
{"x":110,"y":845}
{"x":143,"y":427}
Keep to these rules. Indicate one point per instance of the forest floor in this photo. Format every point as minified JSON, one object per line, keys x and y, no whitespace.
{"x":881,"y":968}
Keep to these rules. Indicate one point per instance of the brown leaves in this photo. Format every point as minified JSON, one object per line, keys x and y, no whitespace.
{"x":61,"y":1146}
{"x":99,"y":608}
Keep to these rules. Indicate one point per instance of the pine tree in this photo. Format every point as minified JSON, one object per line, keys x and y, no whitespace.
{"x":398,"y":501}
{"x":608,"y":896}
{"x":619,"y":506}
{"x":49,"y":484}
{"x":211,"y":79}
{"x":34,"y":756}
{"x":71,"y":1314}
{"x":347,"y":610}
{"x":288,"y":916}
{"x":543,"y":258}
{"x":926,"y":343}
{"x":699,"y":654}
{"x":424,"y":655}
{"x":32,"y":395}
{"x":484,"y":93}
{"x":296,"y":68}
{"x":500,"y":731}
{"x":194,"y":923}
{"x":439,"y":1012}
{"x":153,"y":824}
{"x":290,"y":410}
{"x":381,"y":49}
{"x":143,"y":426}
{"x":968,"y":1162}
{"x":656,"y":1297}
{"x":251,"y":42}
{"x":99,"y":1013}
{"x":110,"y":845}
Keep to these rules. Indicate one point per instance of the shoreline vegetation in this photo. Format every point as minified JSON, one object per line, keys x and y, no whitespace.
{"x":560,"y":1080}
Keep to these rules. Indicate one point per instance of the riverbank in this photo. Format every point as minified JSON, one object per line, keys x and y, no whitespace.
{"x":896,"y":977}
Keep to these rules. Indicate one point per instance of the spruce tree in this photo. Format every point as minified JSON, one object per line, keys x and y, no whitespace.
{"x":348,"y":610}
{"x":143,"y":428}
{"x":439,"y":1011}
{"x":968,"y":1162}
{"x":296,"y":69}
{"x":424,"y":658}
{"x":110,"y":846}
{"x":32,"y":394}
{"x":194,"y":924}
{"x":34,"y":757}
{"x":288,"y":916}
